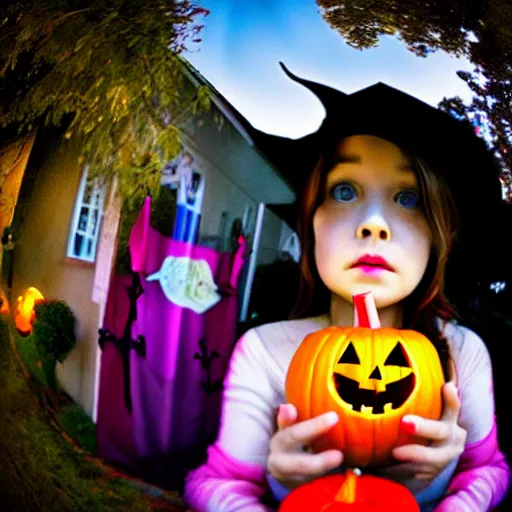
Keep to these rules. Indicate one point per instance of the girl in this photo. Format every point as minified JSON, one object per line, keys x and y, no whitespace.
{"x":382,"y":211}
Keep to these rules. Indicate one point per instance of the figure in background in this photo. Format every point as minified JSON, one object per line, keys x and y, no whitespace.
{"x":182,"y":175}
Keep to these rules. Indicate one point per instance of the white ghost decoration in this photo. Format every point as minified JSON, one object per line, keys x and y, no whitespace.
{"x":188,"y":283}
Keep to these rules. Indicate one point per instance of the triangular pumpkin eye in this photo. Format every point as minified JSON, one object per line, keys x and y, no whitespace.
{"x":398,"y":357}
{"x":349,"y":356}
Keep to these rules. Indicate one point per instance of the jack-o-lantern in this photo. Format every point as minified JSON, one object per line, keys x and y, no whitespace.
{"x":371,"y":377}
{"x":350,"y":492}
{"x":24,"y":315}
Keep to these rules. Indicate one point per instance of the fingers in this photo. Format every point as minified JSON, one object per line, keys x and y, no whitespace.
{"x":426,"y":455}
{"x":302,"y":466}
{"x":446,"y":436}
{"x":451,"y":403}
{"x":428,"y":429}
{"x":286,"y":416}
{"x":302,"y":433}
{"x":286,"y":463}
{"x":432,"y":429}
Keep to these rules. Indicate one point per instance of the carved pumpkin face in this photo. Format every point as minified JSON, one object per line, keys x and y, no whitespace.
{"x":371,"y":378}
{"x":371,"y":383}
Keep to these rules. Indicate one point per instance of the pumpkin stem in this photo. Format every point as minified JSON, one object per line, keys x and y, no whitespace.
{"x":365,"y":311}
{"x":347,"y":491}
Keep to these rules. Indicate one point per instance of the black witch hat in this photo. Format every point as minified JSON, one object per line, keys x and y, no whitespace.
{"x":444,"y":142}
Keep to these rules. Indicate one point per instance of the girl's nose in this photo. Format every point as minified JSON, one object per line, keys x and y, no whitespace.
{"x":374,"y":227}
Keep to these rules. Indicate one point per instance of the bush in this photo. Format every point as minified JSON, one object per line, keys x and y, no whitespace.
{"x":54,"y":329}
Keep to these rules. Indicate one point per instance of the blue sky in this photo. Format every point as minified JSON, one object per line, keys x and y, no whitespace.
{"x":244,"y":40}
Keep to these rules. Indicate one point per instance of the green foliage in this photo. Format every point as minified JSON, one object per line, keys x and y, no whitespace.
{"x":31,"y":358}
{"x":425,"y":27}
{"x":494,"y":100}
{"x":163,"y":213}
{"x":54,"y":329}
{"x":79,"y":426}
{"x":129,"y":216}
{"x":109,"y":70}
{"x":479,"y":30}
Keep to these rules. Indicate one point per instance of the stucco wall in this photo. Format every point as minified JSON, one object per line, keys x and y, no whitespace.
{"x":237,"y":176}
{"x":220,"y":195}
{"x":40,"y":260}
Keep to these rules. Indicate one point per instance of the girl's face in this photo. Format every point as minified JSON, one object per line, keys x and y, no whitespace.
{"x":370,"y":231}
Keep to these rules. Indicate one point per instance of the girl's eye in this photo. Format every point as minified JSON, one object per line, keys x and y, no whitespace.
{"x":344,"y":192}
{"x":407,"y":199}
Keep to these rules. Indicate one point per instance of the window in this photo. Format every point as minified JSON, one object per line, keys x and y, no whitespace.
{"x":85,"y":225}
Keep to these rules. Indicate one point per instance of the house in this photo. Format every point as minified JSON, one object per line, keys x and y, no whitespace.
{"x":66,"y":230}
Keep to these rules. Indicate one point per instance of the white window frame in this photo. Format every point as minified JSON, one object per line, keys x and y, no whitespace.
{"x":88,"y":232}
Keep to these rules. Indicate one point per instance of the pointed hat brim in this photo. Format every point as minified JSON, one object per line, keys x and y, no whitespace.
{"x":446,"y":143}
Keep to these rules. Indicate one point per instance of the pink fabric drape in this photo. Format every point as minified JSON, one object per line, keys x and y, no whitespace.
{"x":176,"y":388}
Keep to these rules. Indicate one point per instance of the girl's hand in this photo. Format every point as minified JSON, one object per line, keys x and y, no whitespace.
{"x":446,"y":436}
{"x":287,"y":463}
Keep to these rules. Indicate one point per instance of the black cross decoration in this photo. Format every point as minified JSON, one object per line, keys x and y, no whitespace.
{"x":126,"y":343}
{"x":206,"y":362}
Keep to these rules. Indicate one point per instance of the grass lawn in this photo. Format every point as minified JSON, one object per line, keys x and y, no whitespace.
{"x":41,"y":470}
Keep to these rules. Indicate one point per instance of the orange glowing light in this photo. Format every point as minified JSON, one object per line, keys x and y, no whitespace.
{"x":4,"y":304}
{"x":24,"y":315}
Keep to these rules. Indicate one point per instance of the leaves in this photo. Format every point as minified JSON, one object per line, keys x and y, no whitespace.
{"x":423,"y":26}
{"x":492,"y":101}
{"x":110,"y":71}
{"x":54,"y":329}
{"x":480,"y":30}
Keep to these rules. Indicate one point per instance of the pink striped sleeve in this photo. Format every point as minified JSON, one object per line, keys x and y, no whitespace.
{"x":481,"y":480}
{"x":225,"y":484}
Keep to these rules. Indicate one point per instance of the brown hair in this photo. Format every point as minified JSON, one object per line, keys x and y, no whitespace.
{"x":428,"y":303}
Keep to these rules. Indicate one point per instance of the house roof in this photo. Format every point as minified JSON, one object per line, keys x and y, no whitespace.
{"x":238,"y":120}
{"x":270,"y":146}
{"x":256,"y":139}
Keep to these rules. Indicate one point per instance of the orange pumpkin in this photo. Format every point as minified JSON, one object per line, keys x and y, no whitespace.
{"x":350,"y":492}
{"x":371,"y":378}
{"x":24,"y":315}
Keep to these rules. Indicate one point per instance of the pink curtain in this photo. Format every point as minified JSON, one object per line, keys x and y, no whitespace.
{"x":175,"y":386}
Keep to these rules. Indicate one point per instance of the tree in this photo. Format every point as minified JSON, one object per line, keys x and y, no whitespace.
{"x":108,"y":71}
{"x":479,"y":30}
{"x":491,"y":104}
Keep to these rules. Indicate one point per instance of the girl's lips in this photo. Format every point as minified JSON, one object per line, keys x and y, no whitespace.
{"x":370,"y":264}
{"x":370,"y":269}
